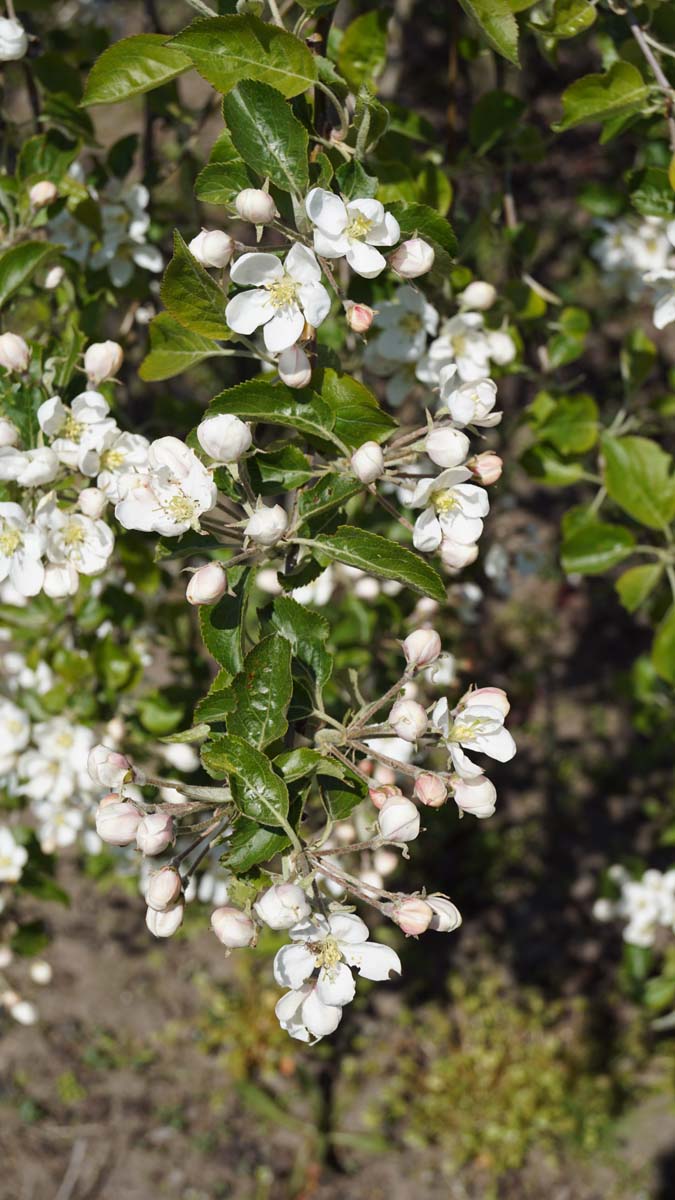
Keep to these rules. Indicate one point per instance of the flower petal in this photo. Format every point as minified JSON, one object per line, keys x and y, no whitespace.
{"x":385,"y":233}
{"x":284,"y":329}
{"x":326,"y":210}
{"x":248,"y":310}
{"x":427,"y":532}
{"x":347,"y":927}
{"x":293,"y":965}
{"x":256,"y":268}
{"x":301,"y":264}
{"x":320,"y":1018}
{"x":329,"y":246}
{"x":373,"y":960}
{"x":365,"y":260}
{"x":335,"y":985}
{"x":372,"y":210}
{"x":315,"y":302}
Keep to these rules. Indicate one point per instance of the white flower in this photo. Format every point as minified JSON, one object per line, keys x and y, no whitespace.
{"x":13,"y":40}
{"x":474,"y":725}
{"x":477,"y":796}
{"x":171,"y":496}
{"x":125,"y":226}
{"x":453,"y":509}
{"x":469,"y":403}
{"x":13,"y":857}
{"x":294,"y":367}
{"x":282,"y":905}
{"x":14,"y":734}
{"x":120,"y":454}
{"x":367,"y":462}
{"x":79,"y":432}
{"x":304,"y":1016}
{"x":78,"y":541}
{"x":462,"y":342}
{"x":21,"y":547}
{"x":283,"y":296}
{"x":478,"y":295}
{"x":402,"y":326}
{"x":352,"y":230}
{"x":43,"y":193}
{"x":664,"y":300}
{"x":102,"y":360}
{"x":332,"y":946}
{"x":28,"y":468}
{"x":14,"y":352}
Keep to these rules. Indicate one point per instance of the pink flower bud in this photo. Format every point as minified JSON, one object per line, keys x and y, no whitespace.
{"x":476,"y":796}
{"x":447,"y":447}
{"x":233,"y":927}
{"x":163,"y":889}
{"x":108,"y":767}
{"x":412,"y":258}
{"x":92,"y":502}
{"x":294,"y":367}
{"x":103,"y":360}
{"x":14,"y":353}
{"x":455,"y":555}
{"x":413,"y":916}
{"x":479,"y":295}
{"x":116,"y":823}
{"x":155,"y":833}
{"x":430,"y":790}
{"x":43,"y":193}
{"x":380,"y":795}
{"x":164,"y":924}
{"x":421,"y":647}
{"x":399,"y":820}
{"x":267,"y":525}
{"x":486,"y":467}
{"x":359,"y":317}
{"x":212,"y":248}
{"x":446,"y":916}
{"x":207,"y":585}
{"x":493,"y":696}
{"x":408,"y":720}
{"x":256,"y":206}
{"x":282,"y":905}
{"x":368,"y":462}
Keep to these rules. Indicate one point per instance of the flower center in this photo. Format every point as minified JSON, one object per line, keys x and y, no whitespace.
{"x":444,"y":501}
{"x":10,"y":540}
{"x":73,"y":534}
{"x":72,"y":429}
{"x":326,"y":953}
{"x":111,"y":460}
{"x":459,"y":343}
{"x":411,"y":323}
{"x":283,"y":291}
{"x":179,"y":508}
{"x":358,"y":227}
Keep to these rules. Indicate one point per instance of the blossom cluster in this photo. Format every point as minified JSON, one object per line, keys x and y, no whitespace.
{"x":638,"y":257}
{"x":645,"y":905}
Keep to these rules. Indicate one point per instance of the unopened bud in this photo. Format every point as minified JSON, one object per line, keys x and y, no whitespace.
{"x":43,"y":193}
{"x":479,"y":295}
{"x":9,"y":434}
{"x":477,"y":796}
{"x":13,"y":40}
{"x":165,"y":924}
{"x":282,"y":905}
{"x":92,"y":502}
{"x":486,"y":467}
{"x":155,"y":833}
{"x":408,"y":720}
{"x":430,"y":790}
{"x":53,"y":278}
{"x":494,"y":696}
{"x":446,"y":915}
{"x":233,"y":927}
{"x":60,"y":579}
{"x":359,"y":317}
{"x":294,"y":367}
{"x":14,"y":353}
{"x":103,"y":360}
{"x":447,"y":447}
{"x":368,"y":462}
{"x":267,"y":525}
{"x":421,"y":647}
{"x":501,"y":347}
{"x":163,"y":889}
{"x":412,"y":258}
{"x":207,"y":585}
{"x":108,"y":767}
{"x":399,"y":820}
{"x":380,"y":795}
{"x":250,"y":8}
{"x":116,"y":823}
{"x":455,"y":555}
{"x":413,"y":916}
{"x":224,"y":437}
{"x":256,"y":206}
{"x":212,"y":248}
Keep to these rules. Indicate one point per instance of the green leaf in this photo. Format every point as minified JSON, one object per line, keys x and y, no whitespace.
{"x":341,"y":799}
{"x":133,"y":66}
{"x":663,"y":650}
{"x":638,"y":477}
{"x":259,"y":793}
{"x":572,"y":426}
{"x":638,"y":358}
{"x":173,"y":349}
{"x":568,"y":19}
{"x":220,"y":183}
{"x":262,"y":691}
{"x":379,"y":556}
{"x":597,"y":97}
{"x":549,"y":467}
{"x":651,"y":193}
{"x":596,"y":546}
{"x":296,"y":764}
{"x":363,"y":50}
{"x":30,"y":939}
{"x":637,"y":583}
{"x":220,"y":627}
{"x":267,"y":135}
{"x":18,"y":264}
{"x":226,"y":50}
{"x":251,"y":844}
{"x":354,"y":182}
{"x":493,"y":116}
{"x":277,"y":405}
{"x":308,"y":632}
{"x":46,"y":156}
{"x":358,"y":416}
{"x":192,"y":296}
{"x":497,"y":23}
{"x":327,"y":494}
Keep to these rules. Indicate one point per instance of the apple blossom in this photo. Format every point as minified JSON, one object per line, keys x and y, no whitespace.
{"x":212,"y":248}
{"x":412,"y":258}
{"x":399,"y":820}
{"x":447,"y":916}
{"x":41,"y":972}
{"x":224,"y":437}
{"x":283,"y":296}
{"x":92,"y":502}
{"x":117,"y":822}
{"x":380,"y":794}
{"x":163,"y":889}
{"x":13,"y":857}
{"x":421,"y":647}
{"x":256,"y":206}
{"x":351,"y":230}
{"x":430,"y":790}
{"x":43,"y":193}
{"x":53,"y":277}
{"x":267,"y":525}
{"x":408,"y":720}
{"x":294,"y":367}
{"x":28,"y":468}
{"x":478,"y":295}
{"x":155,"y":833}
{"x":72,"y":538}
{"x":170,"y":495}
{"x":367,"y":462}
{"x":102,"y":360}
{"x":413,"y":915}
{"x":469,"y":403}
{"x":23,"y":1012}
{"x":61,"y":579}
{"x":109,"y":767}
{"x":476,"y":724}
{"x":359,"y":317}
{"x":21,"y":548}
{"x":476,"y":796}
{"x":282,"y":905}
{"x":486,"y":467}
{"x":14,"y":352}
{"x":453,"y":509}
{"x":501,"y":347}
{"x":9,"y":434}
{"x":455,"y":555}
{"x":207,"y":585}
{"x":304,"y":1015}
{"x":447,"y":447}
{"x":13,"y":39}
{"x":79,"y":432}
{"x":165,"y":923}
{"x":233,"y":927}
{"x":331,"y":946}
